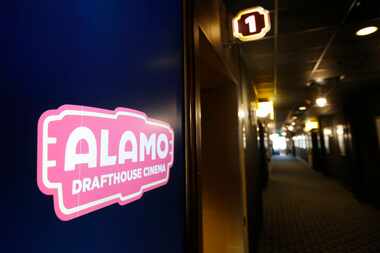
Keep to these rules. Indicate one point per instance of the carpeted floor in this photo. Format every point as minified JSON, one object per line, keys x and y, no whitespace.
{"x":305,"y":212}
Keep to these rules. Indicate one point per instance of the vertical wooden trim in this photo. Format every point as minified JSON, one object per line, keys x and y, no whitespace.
{"x":193,"y":221}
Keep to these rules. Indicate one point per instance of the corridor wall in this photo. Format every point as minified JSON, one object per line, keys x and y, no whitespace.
{"x":100,"y":54}
{"x":354,"y":159}
{"x":212,"y":23}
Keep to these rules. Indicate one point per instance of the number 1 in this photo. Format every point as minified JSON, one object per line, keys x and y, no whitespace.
{"x":251,"y":22}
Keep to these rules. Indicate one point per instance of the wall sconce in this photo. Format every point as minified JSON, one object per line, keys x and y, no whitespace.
{"x":241,"y":114}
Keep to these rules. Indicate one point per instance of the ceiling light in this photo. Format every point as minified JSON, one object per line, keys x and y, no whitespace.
{"x":265,"y":109}
{"x":321,"y":102}
{"x":366,"y":31}
{"x":302,"y":108}
{"x":320,"y":80}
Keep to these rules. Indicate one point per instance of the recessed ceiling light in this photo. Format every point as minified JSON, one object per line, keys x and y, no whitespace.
{"x":366,"y":30}
{"x":321,"y":102}
{"x":302,"y":108}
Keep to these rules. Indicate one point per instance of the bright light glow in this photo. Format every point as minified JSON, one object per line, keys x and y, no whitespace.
{"x":310,"y":125}
{"x":278,"y":142}
{"x":302,"y":108}
{"x":300,"y":141}
{"x":241,"y":114}
{"x":320,"y":80}
{"x":321,"y":102}
{"x":327,"y":134}
{"x":327,"y":131}
{"x":290,"y":128}
{"x":341,"y":144}
{"x":265,"y":109}
{"x":366,"y":31}
{"x":340,"y":130}
{"x":273,"y":136}
{"x":283,"y":133}
{"x":293,"y":123}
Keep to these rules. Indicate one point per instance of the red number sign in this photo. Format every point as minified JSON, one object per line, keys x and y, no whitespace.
{"x":251,"y":24}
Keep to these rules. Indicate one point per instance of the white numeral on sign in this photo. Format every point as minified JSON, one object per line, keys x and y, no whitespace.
{"x":251,"y":22}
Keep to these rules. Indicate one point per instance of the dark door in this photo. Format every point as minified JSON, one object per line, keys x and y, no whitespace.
{"x":223,"y":227}
{"x":315,"y":151}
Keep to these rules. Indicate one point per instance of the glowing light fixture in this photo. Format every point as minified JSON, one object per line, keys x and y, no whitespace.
{"x":311,"y":124}
{"x":241,"y":114}
{"x":278,"y":142}
{"x":293,"y":123}
{"x":302,"y":108}
{"x":290,"y":128}
{"x":265,"y":109}
{"x":321,"y":102}
{"x":270,"y":125}
{"x":320,"y":80}
{"x":327,"y":134}
{"x":327,"y":131}
{"x":366,"y":30}
{"x":340,"y":130}
{"x":251,"y":24}
{"x":341,"y":139}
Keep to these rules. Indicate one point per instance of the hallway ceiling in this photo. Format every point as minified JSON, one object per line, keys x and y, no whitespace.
{"x":304,"y":30}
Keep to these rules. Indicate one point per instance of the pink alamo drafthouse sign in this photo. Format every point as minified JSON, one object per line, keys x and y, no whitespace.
{"x":90,"y":158}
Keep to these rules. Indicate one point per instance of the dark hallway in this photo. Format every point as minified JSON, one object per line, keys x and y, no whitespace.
{"x":307,"y":212}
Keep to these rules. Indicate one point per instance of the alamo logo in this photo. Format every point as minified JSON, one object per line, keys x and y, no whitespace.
{"x":90,"y":158}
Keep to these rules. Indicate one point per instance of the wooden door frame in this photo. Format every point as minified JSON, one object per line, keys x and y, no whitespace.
{"x":193,"y":219}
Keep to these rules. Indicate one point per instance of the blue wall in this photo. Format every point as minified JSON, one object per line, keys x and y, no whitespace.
{"x":98,"y":53}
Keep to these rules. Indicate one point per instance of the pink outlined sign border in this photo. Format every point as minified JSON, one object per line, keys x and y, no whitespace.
{"x":55,"y":188}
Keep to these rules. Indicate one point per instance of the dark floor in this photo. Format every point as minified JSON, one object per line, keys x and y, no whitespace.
{"x":307,"y":212}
